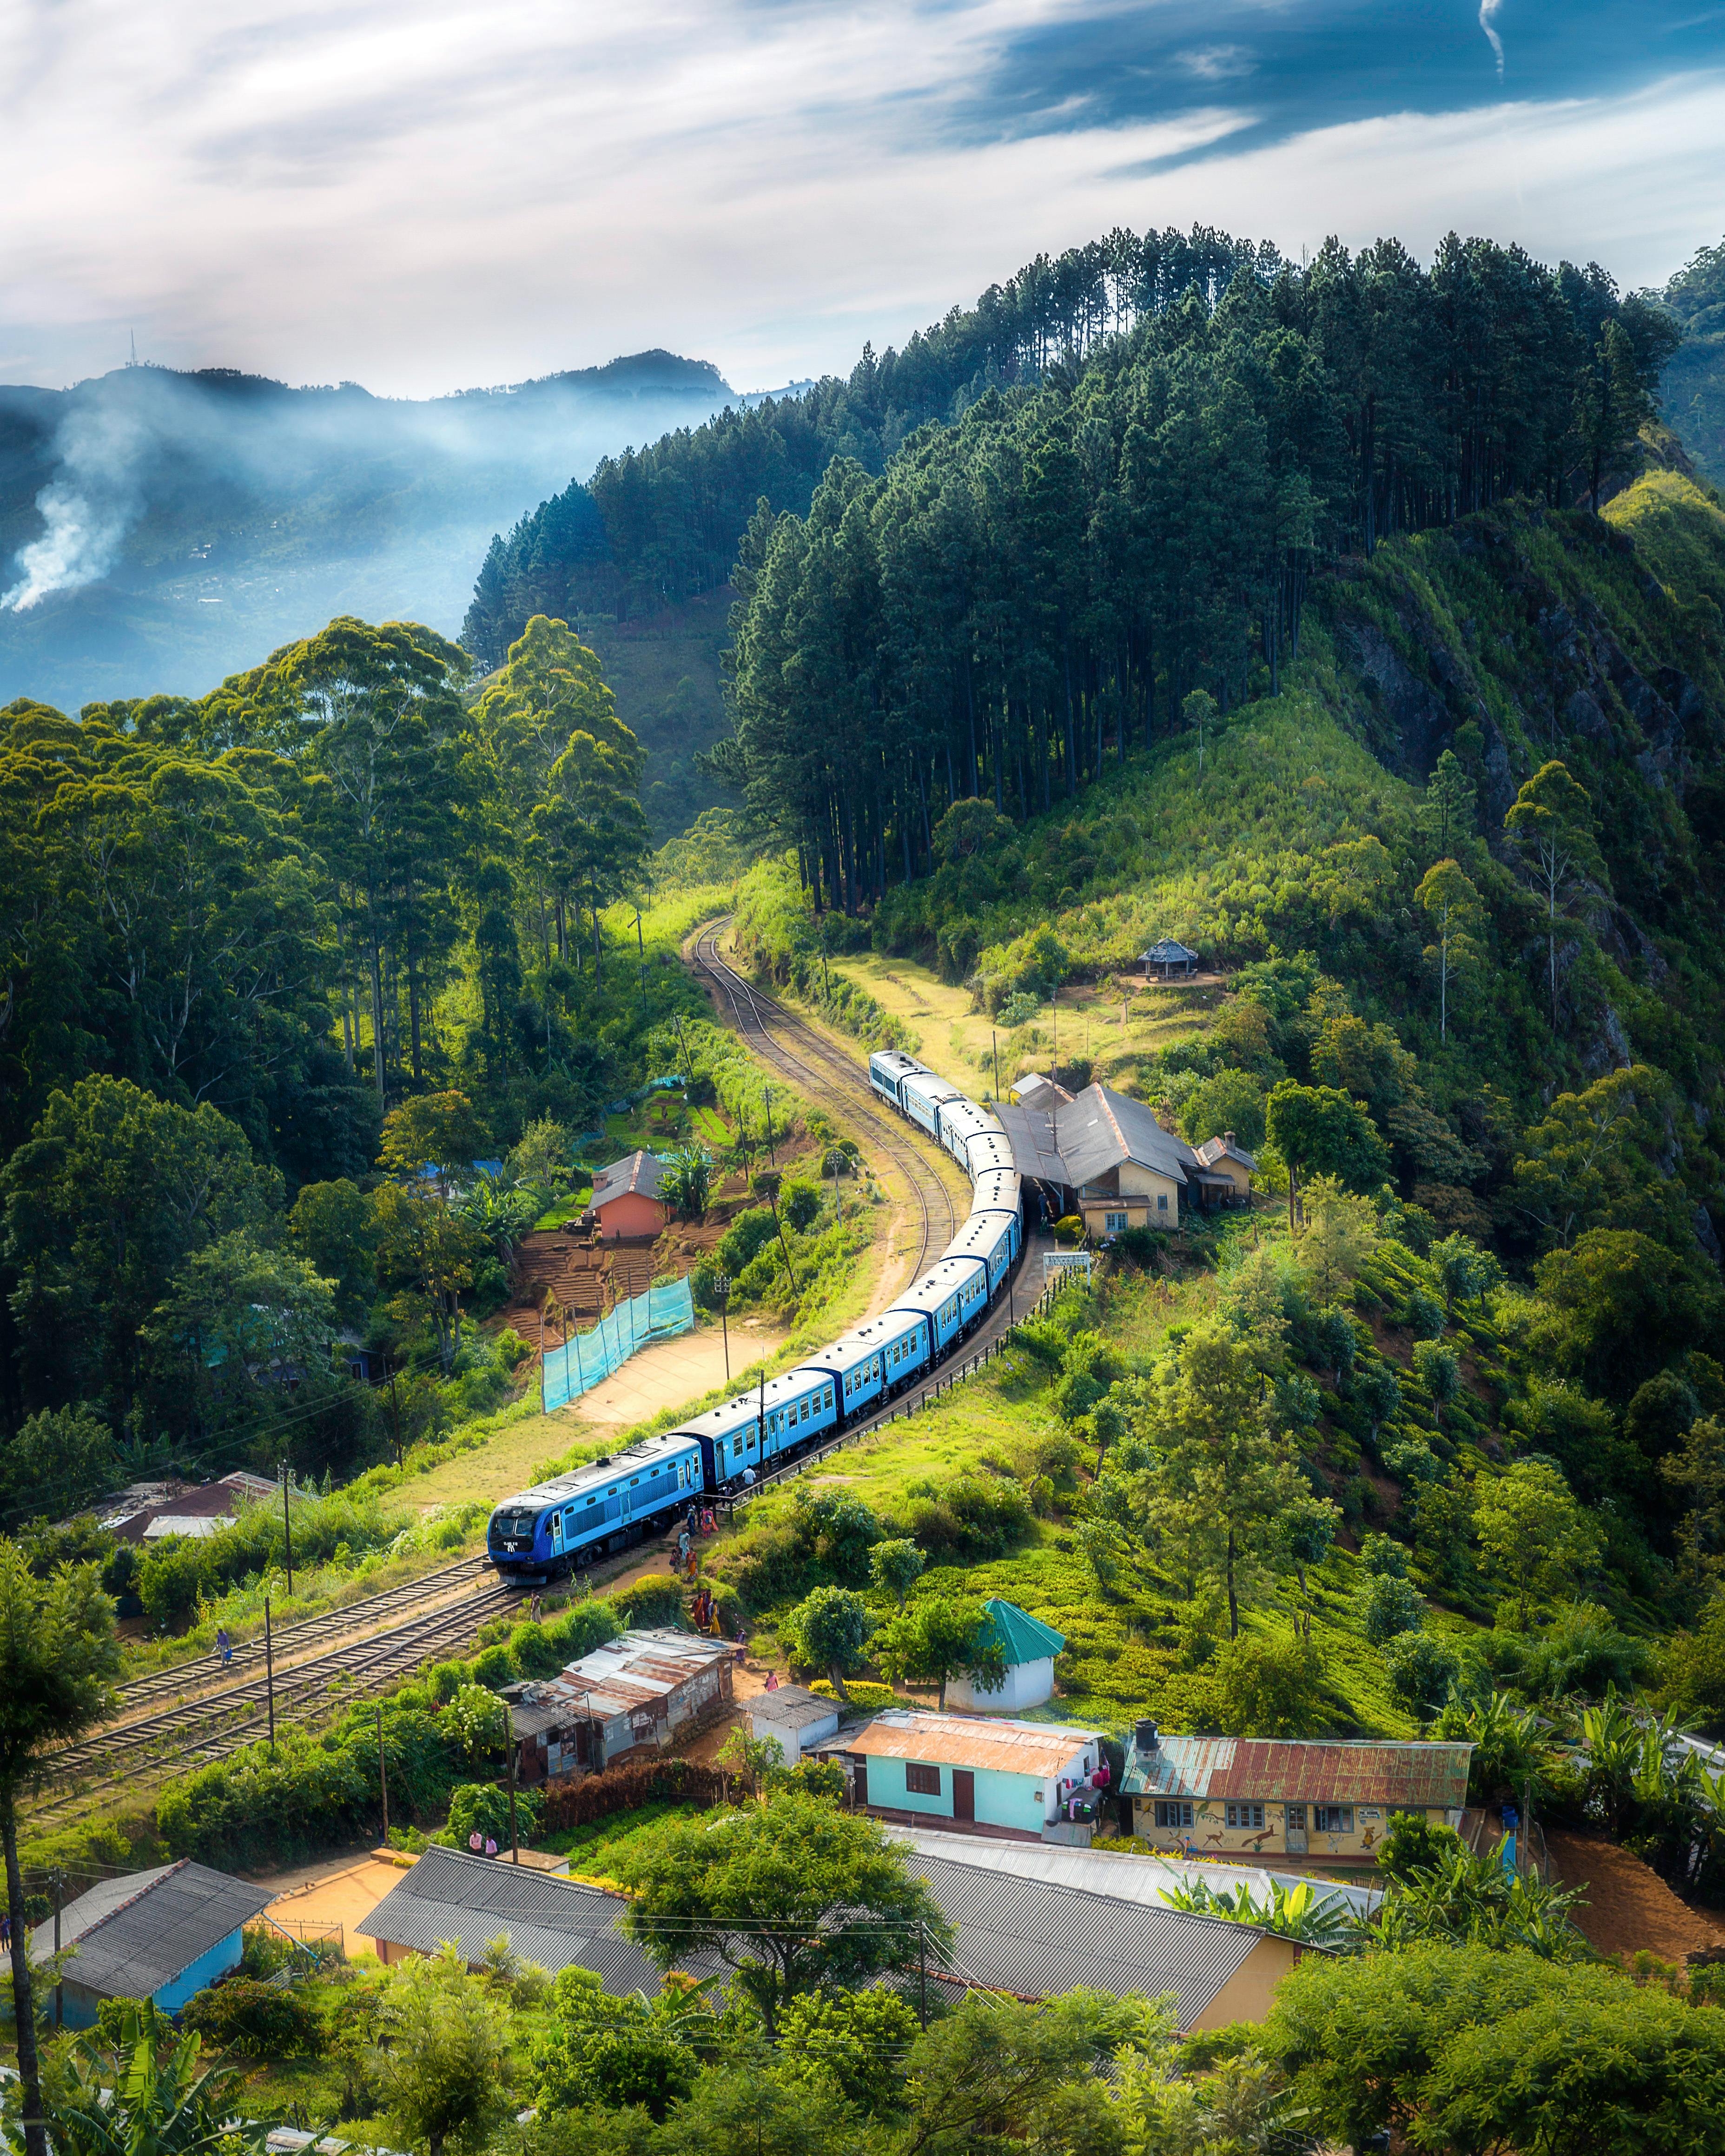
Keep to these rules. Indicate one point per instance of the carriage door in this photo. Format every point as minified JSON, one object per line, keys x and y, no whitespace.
{"x":1295,"y":1840}
{"x":556,"y":1534}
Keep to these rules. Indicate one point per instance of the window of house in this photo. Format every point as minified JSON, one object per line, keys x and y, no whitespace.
{"x":1114,"y":1224}
{"x":1296,"y":1818}
{"x":922,"y":1781}
{"x":1170,"y":1812}
{"x":1334,"y":1818}
{"x":1161,"y":1202}
{"x":1245,"y":1815}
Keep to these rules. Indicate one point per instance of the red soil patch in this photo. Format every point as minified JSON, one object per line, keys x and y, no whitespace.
{"x":1628,"y":1906}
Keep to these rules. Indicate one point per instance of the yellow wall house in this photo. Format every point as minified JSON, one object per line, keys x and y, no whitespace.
{"x":1103,"y":1156}
{"x":1328,"y":1802}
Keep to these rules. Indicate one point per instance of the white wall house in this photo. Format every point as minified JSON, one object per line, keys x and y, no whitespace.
{"x":1030,"y":1647}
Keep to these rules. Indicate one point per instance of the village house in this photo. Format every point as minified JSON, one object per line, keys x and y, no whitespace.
{"x":149,"y":1511}
{"x":1328,"y":1800}
{"x":631,"y":1696}
{"x":793,"y":1717}
{"x":1103,"y":1156}
{"x":1029,"y":1647}
{"x":1221,"y":1159}
{"x":1017,"y":1778}
{"x":626,"y":1198}
{"x":160,"y":1935}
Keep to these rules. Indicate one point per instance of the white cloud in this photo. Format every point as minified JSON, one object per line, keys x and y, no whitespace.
{"x":424,"y":193}
{"x":1218,"y":63}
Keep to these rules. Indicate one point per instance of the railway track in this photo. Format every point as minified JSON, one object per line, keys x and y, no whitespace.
{"x":826,"y":1073}
{"x":192,"y":1733}
{"x":288,"y":1640}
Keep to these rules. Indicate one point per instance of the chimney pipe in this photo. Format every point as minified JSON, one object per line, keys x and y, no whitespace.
{"x":1145,"y":1737}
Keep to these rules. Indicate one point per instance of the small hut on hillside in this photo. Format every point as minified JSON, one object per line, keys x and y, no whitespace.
{"x":1166,"y":960}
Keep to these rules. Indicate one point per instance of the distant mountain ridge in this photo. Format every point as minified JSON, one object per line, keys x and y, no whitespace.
{"x":165,"y":528}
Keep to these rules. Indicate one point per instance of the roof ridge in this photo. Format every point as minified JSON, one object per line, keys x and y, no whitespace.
{"x":119,"y":1908}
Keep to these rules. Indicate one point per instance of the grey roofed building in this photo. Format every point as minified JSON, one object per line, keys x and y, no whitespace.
{"x":1034,"y":1091}
{"x":1224,"y":1148}
{"x":1078,"y":1149}
{"x":1035,"y":1936}
{"x":160,"y":1934}
{"x":467,"y":1901}
{"x":1166,"y":956}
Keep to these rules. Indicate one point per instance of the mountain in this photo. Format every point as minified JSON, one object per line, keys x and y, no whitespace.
{"x":159,"y":529}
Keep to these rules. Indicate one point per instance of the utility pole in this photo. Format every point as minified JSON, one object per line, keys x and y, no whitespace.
{"x":922,"y":1970}
{"x":287,"y":1529}
{"x":270,"y":1672}
{"x":722,"y":1296}
{"x":766,"y":1091}
{"x":515,"y":1845}
{"x":57,"y":1887}
{"x":383,"y":1773}
{"x":395,"y":1409}
{"x":995,"y":1038}
{"x":641,"y":953}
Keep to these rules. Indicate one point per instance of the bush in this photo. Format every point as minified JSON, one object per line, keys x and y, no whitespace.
{"x":258,"y":2020}
{"x":627,"y":1789}
{"x":799,"y":1202}
{"x":968,"y":1516}
{"x":1423,"y":1670}
{"x":745,"y":1238}
{"x":482,"y":1809}
{"x":650,"y":1602}
{"x":1388,"y":1605}
{"x":172,"y":1580}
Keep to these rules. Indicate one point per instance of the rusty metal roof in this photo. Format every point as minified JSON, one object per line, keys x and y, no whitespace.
{"x":1307,"y":1771}
{"x":640,"y":1669}
{"x":959,"y":1740}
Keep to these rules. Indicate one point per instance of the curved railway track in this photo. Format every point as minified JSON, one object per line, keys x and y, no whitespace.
{"x":827,"y":1073}
{"x":192,"y":1733}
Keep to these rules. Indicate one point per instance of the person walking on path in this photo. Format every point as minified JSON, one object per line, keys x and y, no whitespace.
{"x":224,"y":1645}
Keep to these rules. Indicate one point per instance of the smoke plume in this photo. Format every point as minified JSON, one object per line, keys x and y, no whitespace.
{"x":89,"y":506}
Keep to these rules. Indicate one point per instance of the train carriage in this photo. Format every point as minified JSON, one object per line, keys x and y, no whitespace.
{"x":875,"y":1361}
{"x":953,"y":1297}
{"x":961,"y":1123}
{"x":989,"y":1150}
{"x":997,"y":1190}
{"x":543,"y":1533}
{"x":888,"y":1069}
{"x":992,"y":1237}
{"x":921,"y":1094}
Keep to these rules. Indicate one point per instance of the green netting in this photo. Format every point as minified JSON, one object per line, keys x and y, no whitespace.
{"x":588,"y":1358}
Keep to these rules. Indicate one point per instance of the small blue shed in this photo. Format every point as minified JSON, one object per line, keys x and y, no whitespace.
{"x":159,"y":1935}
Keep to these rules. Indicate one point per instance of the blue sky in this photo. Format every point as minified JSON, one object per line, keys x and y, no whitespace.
{"x":423,"y":194}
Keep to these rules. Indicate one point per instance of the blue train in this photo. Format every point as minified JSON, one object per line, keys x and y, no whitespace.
{"x":542,"y":1533}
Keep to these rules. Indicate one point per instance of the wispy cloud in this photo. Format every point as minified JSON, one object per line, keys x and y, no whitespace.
{"x":425,"y":193}
{"x":1489,"y":11}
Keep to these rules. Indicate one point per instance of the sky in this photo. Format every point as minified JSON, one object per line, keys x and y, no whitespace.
{"x":423,"y":195}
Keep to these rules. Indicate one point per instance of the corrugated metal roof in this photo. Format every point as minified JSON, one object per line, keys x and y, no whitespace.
{"x":1037,"y":1937}
{"x":137,"y":1934}
{"x":1307,"y":1771}
{"x":449,"y":1895}
{"x":958,"y":1740}
{"x":641,"y":1669}
{"x":1214,"y":1149}
{"x":1144,"y":1879}
{"x":1024,"y":1638}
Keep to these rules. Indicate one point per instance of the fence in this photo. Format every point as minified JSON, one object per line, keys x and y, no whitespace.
{"x":586,"y":1360}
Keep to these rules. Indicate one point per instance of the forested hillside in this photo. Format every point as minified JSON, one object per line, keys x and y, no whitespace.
{"x":340,"y":905}
{"x":1694,"y":387}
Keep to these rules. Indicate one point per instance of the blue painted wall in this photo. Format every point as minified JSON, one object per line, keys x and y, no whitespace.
{"x":1024,"y":1801}
{"x":81,"y":2005}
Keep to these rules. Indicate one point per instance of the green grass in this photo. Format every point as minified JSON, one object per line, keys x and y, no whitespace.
{"x":594,"y":1849}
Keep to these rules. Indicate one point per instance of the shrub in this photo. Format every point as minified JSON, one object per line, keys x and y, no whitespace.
{"x":1388,"y":1605}
{"x":259,"y":2020}
{"x":1423,"y":1669}
{"x":745,"y":1238}
{"x":650,"y":1602}
{"x":477,"y":1722}
{"x":626,"y":1788}
{"x":799,"y":1201}
{"x":172,"y":1580}
{"x":482,"y":1809}
{"x":968,"y":1516}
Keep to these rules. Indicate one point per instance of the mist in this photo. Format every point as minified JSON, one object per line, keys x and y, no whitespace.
{"x":159,"y":530}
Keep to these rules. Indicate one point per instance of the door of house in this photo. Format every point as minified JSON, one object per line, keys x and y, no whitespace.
{"x":964,"y":1794}
{"x":1295,"y":1842}
{"x":859,"y":1783}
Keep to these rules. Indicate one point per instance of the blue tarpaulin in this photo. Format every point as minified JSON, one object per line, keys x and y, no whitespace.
{"x":589,"y":1357}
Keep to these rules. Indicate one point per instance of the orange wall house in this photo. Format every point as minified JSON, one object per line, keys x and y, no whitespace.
{"x":626,"y":1198}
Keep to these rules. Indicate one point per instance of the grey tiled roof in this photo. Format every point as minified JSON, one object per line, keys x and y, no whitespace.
{"x":135,"y":1933}
{"x":1093,"y":1132}
{"x":642,"y":1172}
{"x":450,"y":1895}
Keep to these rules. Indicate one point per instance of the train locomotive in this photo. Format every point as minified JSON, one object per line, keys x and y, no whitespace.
{"x":546,"y":1532}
